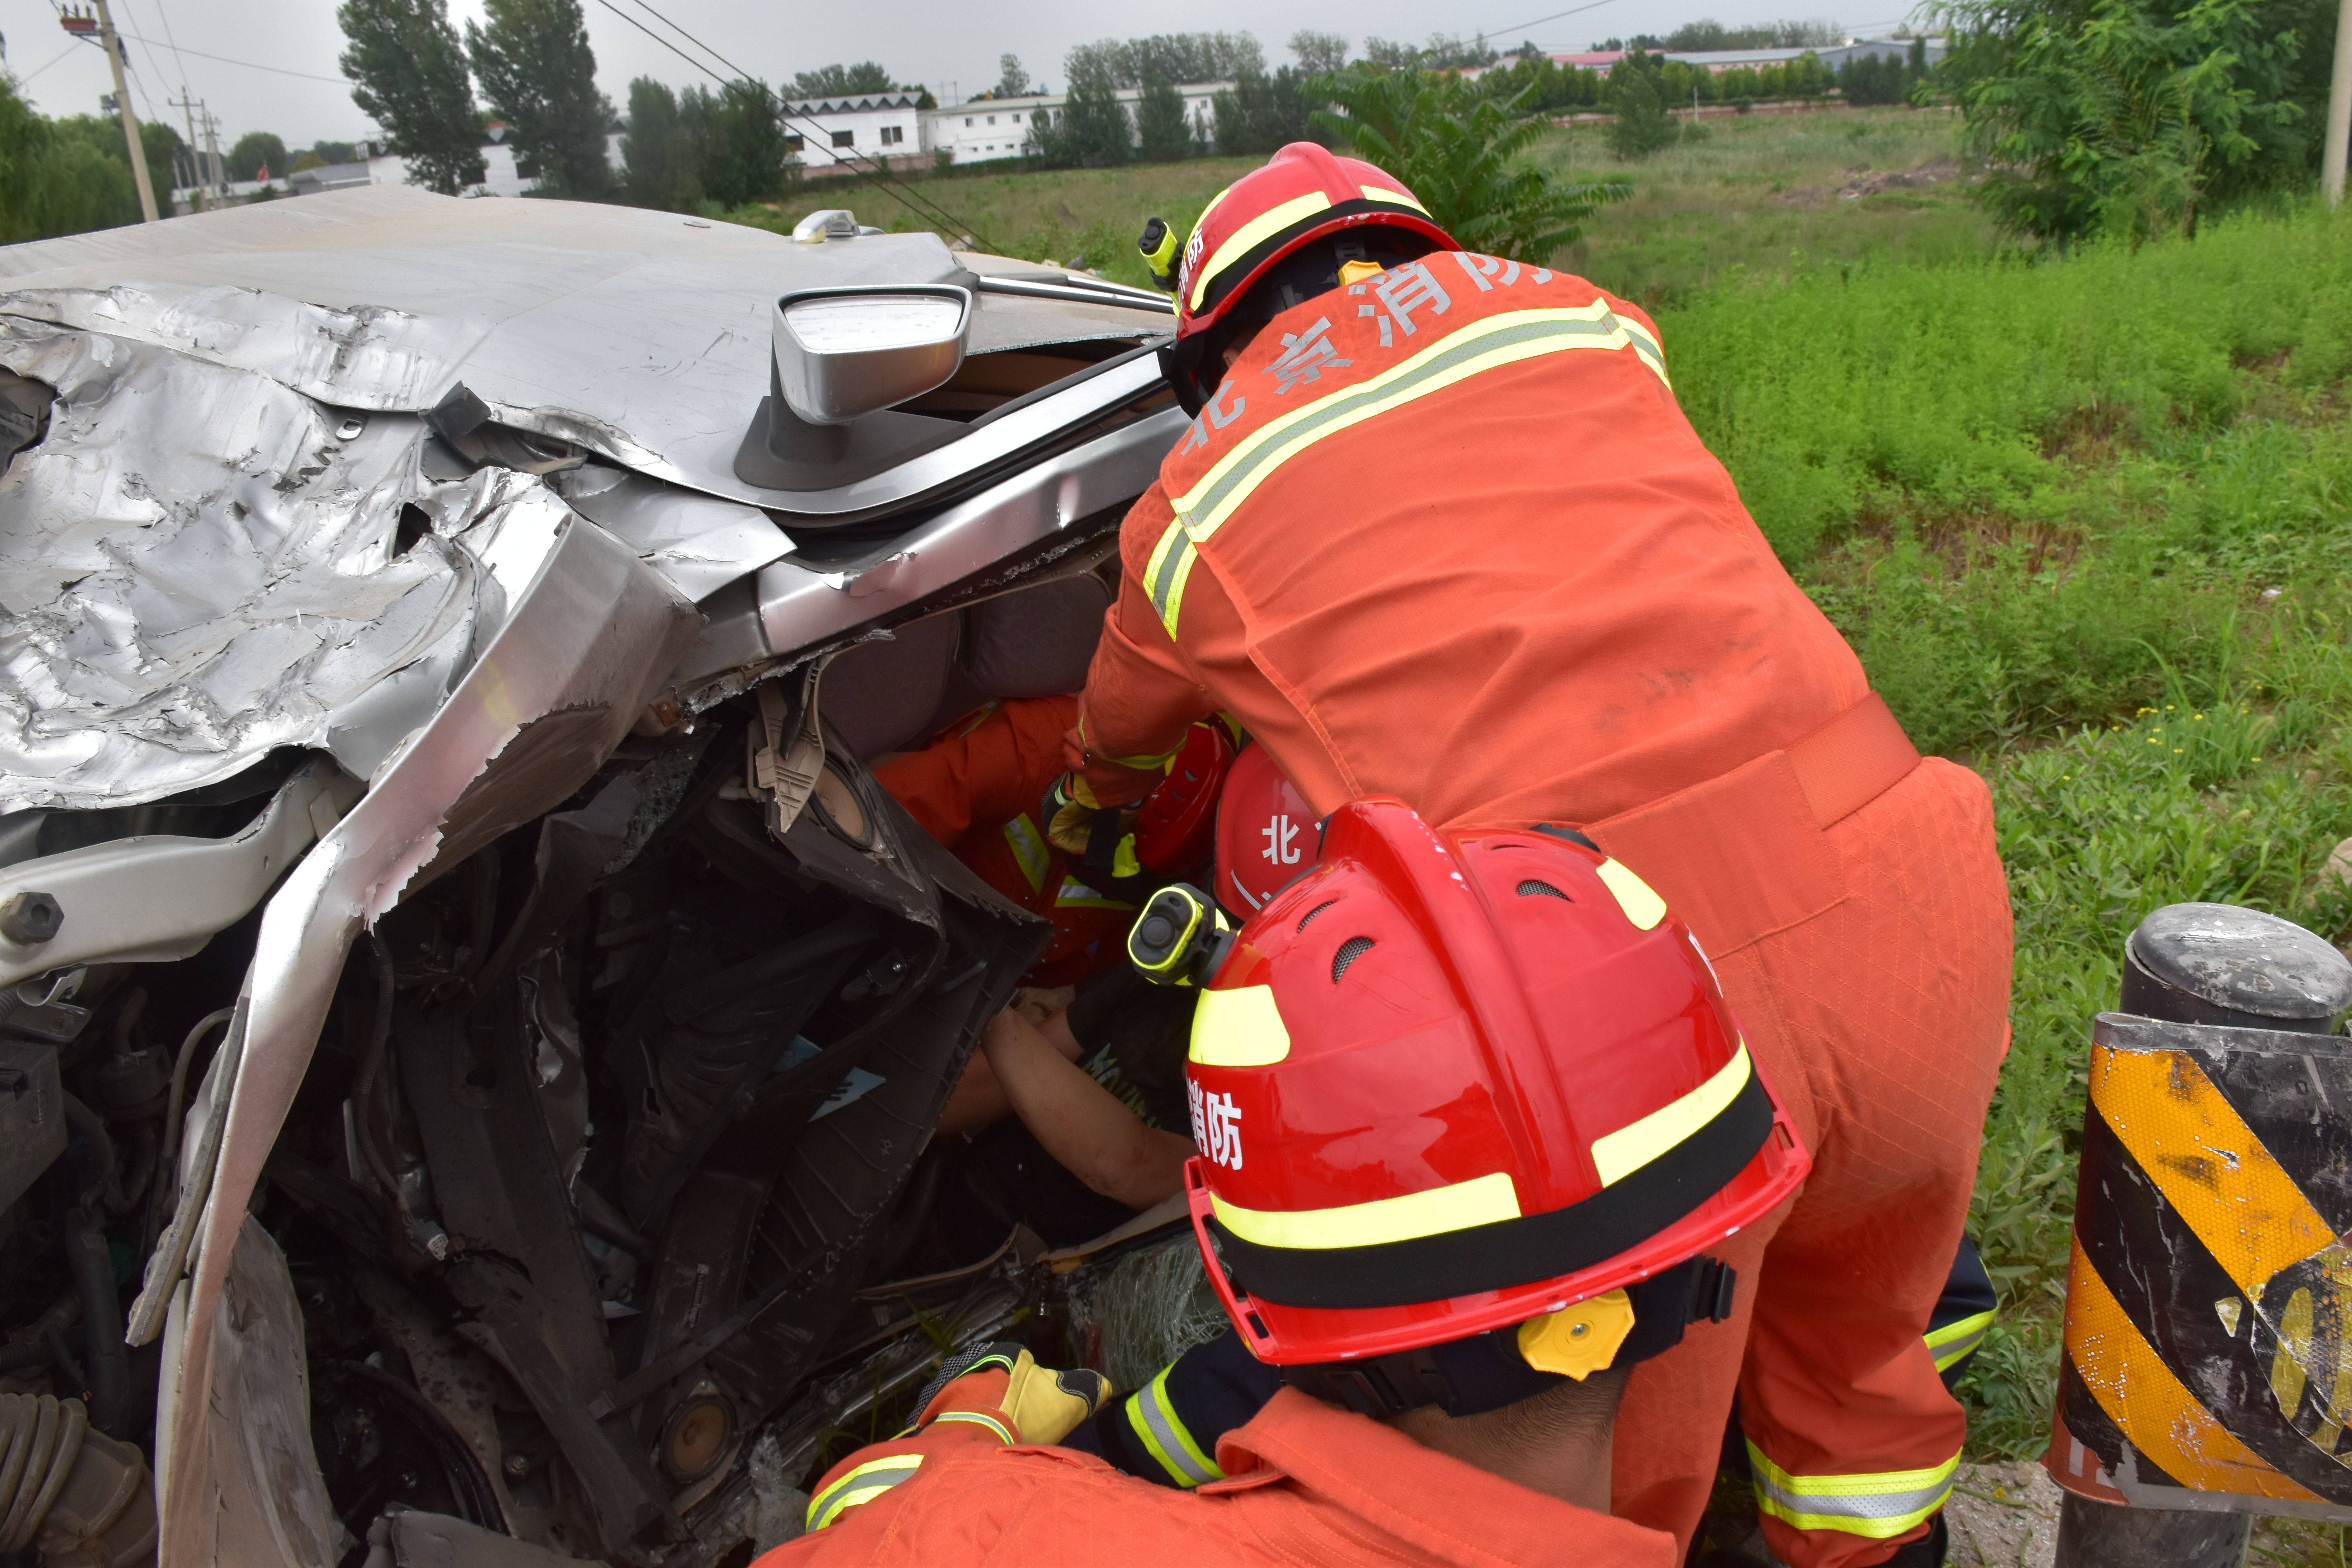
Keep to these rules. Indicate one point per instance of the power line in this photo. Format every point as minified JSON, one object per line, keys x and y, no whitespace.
{"x":68,"y":49}
{"x":1556,"y":15}
{"x":249,"y":65}
{"x":928,"y":211}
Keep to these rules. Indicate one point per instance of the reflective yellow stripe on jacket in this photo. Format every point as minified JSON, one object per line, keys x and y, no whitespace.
{"x":862,"y":1485}
{"x":1508,"y":339}
{"x":1163,"y":1432}
{"x":1879,"y":1506}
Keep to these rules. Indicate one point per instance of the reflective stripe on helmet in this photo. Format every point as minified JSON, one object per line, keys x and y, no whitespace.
{"x":1401,"y":198}
{"x":1620,"y":1153}
{"x":1879,"y":1506}
{"x":1153,"y":1417}
{"x":1253,"y":234}
{"x":1499,"y":340}
{"x":862,"y":1485}
{"x":1240,"y":1028}
{"x":1165,"y":574}
{"x":1483,"y":1200}
{"x":1399,"y":1255}
{"x":1636,"y":898}
{"x":1954,"y":1343}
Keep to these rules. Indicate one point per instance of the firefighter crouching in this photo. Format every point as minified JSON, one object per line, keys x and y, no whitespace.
{"x":1472,"y":1109}
{"x":1438,"y":531}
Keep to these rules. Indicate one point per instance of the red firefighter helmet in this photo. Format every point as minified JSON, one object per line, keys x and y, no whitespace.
{"x":1443,"y":1084}
{"x":1268,"y":835}
{"x":1174,"y":825}
{"x":1304,"y":192}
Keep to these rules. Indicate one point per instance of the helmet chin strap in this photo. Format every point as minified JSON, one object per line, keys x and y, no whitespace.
{"x":1486,"y":1372}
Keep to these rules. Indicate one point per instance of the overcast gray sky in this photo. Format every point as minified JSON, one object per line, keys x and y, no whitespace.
{"x":947,"y":44}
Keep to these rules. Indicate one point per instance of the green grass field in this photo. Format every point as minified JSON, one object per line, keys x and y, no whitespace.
{"x":2087,"y":520}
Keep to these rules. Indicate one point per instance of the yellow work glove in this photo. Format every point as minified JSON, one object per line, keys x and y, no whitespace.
{"x":1002,"y":1386}
{"x":1069,"y":814}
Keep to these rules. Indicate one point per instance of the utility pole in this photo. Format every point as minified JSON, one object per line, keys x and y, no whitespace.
{"x":113,"y":46}
{"x":212,"y":152}
{"x":187,"y":106}
{"x":2339,"y":110}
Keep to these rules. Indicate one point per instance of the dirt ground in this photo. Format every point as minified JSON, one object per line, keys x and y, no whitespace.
{"x":2003,"y":1515}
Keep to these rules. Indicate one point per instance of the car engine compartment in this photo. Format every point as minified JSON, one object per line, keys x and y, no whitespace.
{"x":608,"y":1198}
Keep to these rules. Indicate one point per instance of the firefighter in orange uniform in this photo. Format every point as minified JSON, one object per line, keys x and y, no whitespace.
{"x":1471,"y":1107}
{"x":1440,"y":530}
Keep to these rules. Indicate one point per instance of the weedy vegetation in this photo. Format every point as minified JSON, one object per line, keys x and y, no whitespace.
{"x":2086,"y":521}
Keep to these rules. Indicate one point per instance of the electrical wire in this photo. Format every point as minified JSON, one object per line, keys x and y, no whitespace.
{"x":68,"y":49}
{"x":928,"y":211}
{"x":249,"y":65}
{"x":1556,"y":15}
{"x":922,"y":206}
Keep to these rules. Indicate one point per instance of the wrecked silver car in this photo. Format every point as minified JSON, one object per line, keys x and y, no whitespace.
{"x":470,"y":1025}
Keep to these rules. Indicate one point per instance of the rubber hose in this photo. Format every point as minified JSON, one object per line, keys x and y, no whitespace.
{"x":84,"y":1120}
{"x":41,"y":1439}
{"x":108,"y":1359}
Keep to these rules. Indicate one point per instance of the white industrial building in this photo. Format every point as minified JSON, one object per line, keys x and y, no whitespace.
{"x":828,"y":130}
{"x":992,"y":128}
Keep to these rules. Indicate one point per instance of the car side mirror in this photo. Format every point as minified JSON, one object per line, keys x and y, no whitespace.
{"x":842,"y":353}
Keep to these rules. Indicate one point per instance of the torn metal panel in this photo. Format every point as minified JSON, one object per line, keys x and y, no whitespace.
{"x":245,"y":1439}
{"x":407,"y":1538}
{"x":639,"y":335}
{"x":700,"y":542}
{"x":194,"y":569}
{"x":199,"y":565}
{"x":801,"y":605}
{"x":567,"y":674}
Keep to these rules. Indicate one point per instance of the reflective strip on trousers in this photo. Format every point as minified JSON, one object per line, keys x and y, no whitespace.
{"x":1954,"y":1341}
{"x":1028,"y":848}
{"x":1879,"y":1506}
{"x":862,"y":1485}
{"x":1075,"y":895}
{"x":1163,"y":1432}
{"x":1491,"y":345}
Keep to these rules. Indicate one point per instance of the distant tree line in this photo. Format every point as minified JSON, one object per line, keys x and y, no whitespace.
{"x":72,"y":173}
{"x":536,"y":71}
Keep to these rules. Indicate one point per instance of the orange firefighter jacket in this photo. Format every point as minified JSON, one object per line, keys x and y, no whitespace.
{"x":976,"y":788}
{"x":1445,"y":534}
{"x":1305,"y":1483}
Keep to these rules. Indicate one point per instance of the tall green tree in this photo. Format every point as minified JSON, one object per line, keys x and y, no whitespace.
{"x":1635,"y":94}
{"x":843,"y":81}
{"x":1012,"y":80}
{"x":538,"y":73}
{"x":660,"y":161}
{"x":743,"y":156}
{"x":1459,"y":150}
{"x":408,"y":75}
{"x":1260,"y":112}
{"x":1092,"y":131}
{"x":1319,"y":52}
{"x":53,"y":184}
{"x":255,"y":151}
{"x":1161,"y":131}
{"x":2136,"y":117}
